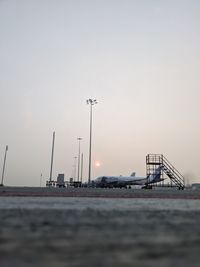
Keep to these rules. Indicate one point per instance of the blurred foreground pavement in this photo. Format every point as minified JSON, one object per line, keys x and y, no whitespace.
{"x":93,"y":236}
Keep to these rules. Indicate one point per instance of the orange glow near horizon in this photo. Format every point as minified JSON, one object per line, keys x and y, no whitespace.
{"x":97,"y":163}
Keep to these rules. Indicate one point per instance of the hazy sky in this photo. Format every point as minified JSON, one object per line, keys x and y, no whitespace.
{"x":139,"y":58}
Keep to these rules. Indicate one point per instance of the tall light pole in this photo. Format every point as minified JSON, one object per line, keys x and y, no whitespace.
{"x":81,"y":167}
{"x":40,"y":179}
{"x":90,"y":102}
{"x":4,"y":164}
{"x":52,"y":154}
{"x":79,"y":145}
{"x":75,"y":168}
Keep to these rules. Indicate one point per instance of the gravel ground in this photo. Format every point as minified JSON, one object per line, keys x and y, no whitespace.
{"x":104,"y":236}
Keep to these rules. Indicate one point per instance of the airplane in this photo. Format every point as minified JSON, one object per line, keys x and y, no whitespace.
{"x":127,"y":181}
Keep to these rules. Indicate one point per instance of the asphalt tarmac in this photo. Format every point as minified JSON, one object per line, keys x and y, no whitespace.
{"x":82,"y":232}
{"x":100,"y":192}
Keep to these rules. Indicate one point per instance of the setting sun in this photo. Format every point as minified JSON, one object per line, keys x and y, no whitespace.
{"x":97,"y":164}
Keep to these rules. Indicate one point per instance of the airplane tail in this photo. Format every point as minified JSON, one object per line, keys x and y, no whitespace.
{"x":156,"y":176}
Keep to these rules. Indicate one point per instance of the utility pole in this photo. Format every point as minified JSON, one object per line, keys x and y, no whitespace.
{"x":52,"y":154}
{"x":90,"y":102}
{"x":81,"y":167}
{"x":4,"y":164}
{"x":79,"y":145}
{"x":40,"y":179}
{"x":75,"y":158}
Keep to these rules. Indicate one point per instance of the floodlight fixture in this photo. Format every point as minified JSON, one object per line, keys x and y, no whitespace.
{"x":91,"y":101}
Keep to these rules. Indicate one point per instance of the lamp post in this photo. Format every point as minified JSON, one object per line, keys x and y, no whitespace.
{"x":75,"y":158}
{"x":81,"y":167}
{"x":79,"y":145}
{"x":4,"y":164}
{"x":52,"y":154}
{"x":40,"y":179}
{"x":90,"y":102}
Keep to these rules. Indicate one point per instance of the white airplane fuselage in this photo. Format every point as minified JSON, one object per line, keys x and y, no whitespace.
{"x":124,"y":181}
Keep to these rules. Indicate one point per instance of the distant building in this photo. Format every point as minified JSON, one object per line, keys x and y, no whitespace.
{"x":61,"y":180}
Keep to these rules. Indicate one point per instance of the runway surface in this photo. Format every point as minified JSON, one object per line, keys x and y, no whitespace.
{"x":82,"y":232}
{"x":81,"y":227}
{"x":173,"y":193}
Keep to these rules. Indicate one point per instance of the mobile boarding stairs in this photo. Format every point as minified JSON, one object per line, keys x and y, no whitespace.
{"x":153,"y":161}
